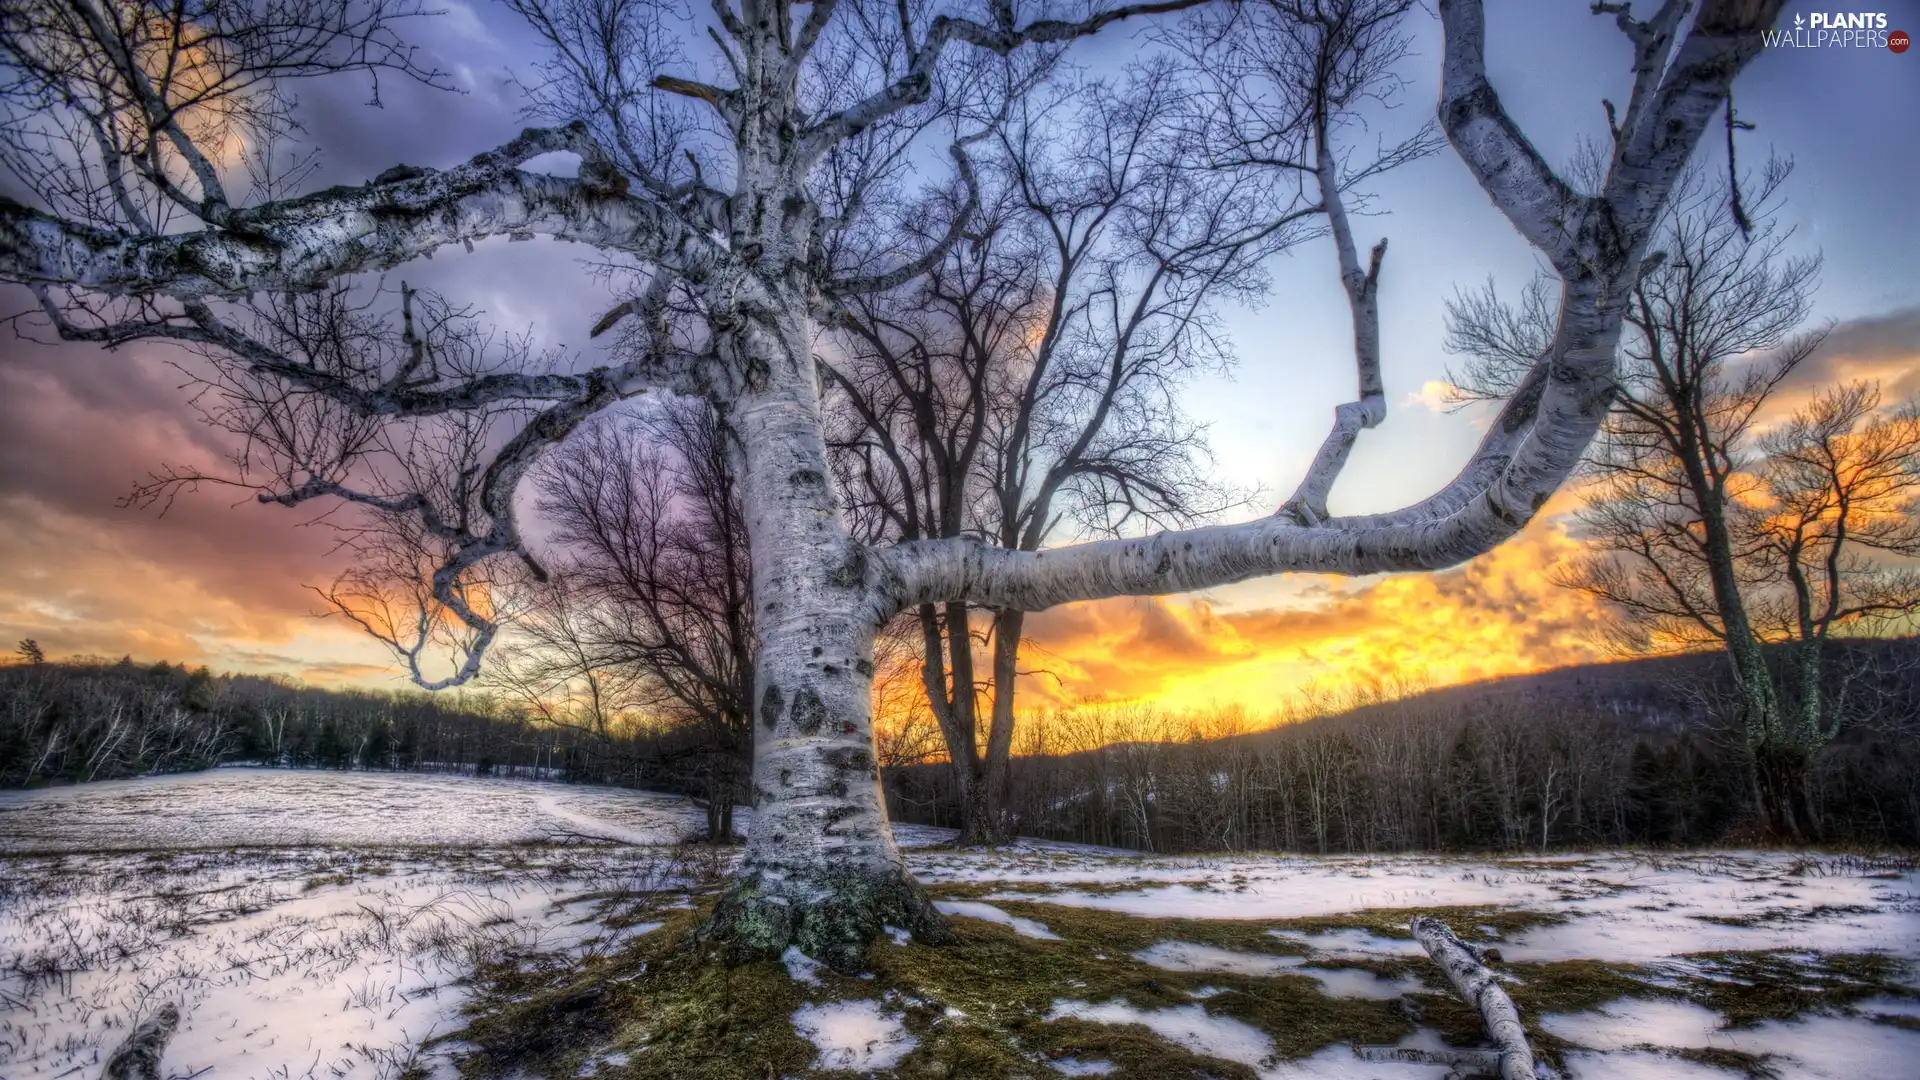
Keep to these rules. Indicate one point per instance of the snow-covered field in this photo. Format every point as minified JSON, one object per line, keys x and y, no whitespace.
{"x":319,"y":924}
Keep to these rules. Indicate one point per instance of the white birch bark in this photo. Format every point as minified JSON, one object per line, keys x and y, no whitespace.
{"x":1309,"y":502}
{"x":821,"y":869}
{"x":1595,"y":242}
{"x":1463,"y":967}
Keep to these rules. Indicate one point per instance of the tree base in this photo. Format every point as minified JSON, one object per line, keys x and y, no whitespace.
{"x":831,"y":917}
{"x":1780,"y":785}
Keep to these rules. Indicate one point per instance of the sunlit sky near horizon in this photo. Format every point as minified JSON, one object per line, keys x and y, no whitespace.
{"x":225,"y":583}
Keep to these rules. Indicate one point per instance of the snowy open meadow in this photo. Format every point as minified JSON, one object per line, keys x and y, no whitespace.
{"x":313,"y":924}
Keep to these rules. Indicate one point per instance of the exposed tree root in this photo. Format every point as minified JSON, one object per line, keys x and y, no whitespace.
{"x":832,"y":920}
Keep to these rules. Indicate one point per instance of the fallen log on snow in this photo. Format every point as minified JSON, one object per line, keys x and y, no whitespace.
{"x":138,"y":1058}
{"x":1466,"y":967}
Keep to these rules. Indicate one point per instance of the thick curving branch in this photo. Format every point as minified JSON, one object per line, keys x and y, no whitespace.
{"x":301,"y":244}
{"x":1543,"y":207}
{"x":1650,"y":154}
{"x":932,"y":571}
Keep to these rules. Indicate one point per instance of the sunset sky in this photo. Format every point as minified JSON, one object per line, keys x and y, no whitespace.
{"x":226,"y":583}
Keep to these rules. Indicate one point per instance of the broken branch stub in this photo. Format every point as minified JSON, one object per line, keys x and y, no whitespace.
{"x":138,"y":1058}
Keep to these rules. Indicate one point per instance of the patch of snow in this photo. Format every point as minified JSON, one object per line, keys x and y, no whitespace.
{"x":1336,"y":982}
{"x":1339,"y":1062}
{"x":854,"y":1035}
{"x":1188,"y":956}
{"x":1075,"y":1067}
{"x":1815,"y":1047}
{"x":282,"y":964}
{"x":1641,"y":1065}
{"x":593,"y":1066}
{"x":1288,"y":888}
{"x":1889,"y":1006}
{"x":1192,"y":1028}
{"x":1353,"y":944}
{"x":1189,"y":1027}
{"x":922,"y":836}
{"x":1823,"y":1047}
{"x":801,"y":968}
{"x":1359,"y":983}
{"x":1637,"y":911}
{"x":973,"y":909}
{"x":296,"y":807}
{"x":1631,"y":1022}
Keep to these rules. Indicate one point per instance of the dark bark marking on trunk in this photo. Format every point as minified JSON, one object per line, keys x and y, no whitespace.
{"x":809,"y":712}
{"x":854,"y":759}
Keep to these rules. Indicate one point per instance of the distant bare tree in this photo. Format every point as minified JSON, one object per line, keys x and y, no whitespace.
{"x":1030,"y":379}
{"x":646,"y":614}
{"x":1708,"y":526}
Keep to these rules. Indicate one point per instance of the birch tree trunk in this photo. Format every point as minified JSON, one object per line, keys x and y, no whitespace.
{"x":1007,"y":628}
{"x":821,"y":869}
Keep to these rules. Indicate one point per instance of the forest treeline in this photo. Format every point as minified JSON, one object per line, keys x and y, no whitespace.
{"x":82,"y":720}
{"x":1633,"y":753}
{"x":1629,"y":753}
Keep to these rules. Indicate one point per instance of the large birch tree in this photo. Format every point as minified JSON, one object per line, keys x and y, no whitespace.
{"x":730,"y":197}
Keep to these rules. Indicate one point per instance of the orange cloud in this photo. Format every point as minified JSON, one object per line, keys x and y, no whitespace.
{"x":207,"y":583}
{"x":1498,"y":615}
{"x":221,"y":585}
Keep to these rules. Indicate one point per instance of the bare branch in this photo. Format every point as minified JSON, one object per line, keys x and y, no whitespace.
{"x":1001,"y":38}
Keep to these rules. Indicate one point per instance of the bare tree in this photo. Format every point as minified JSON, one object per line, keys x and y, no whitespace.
{"x":1828,"y":531}
{"x":1030,"y":379}
{"x":648,"y":608}
{"x":1033,"y":377}
{"x":811,"y":108}
{"x":1707,"y":526}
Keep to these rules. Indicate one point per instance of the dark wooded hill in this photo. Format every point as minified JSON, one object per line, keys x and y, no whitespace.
{"x":1636,"y":752}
